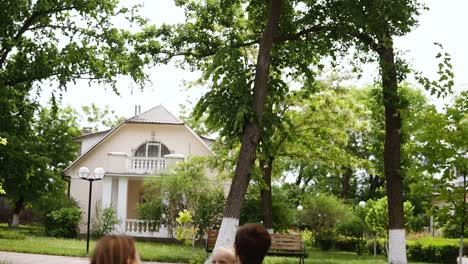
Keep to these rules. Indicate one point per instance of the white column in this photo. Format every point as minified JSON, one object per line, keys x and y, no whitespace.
{"x":106,"y":192}
{"x":122,"y":201}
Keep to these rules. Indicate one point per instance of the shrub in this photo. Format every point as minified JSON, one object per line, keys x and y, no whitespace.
{"x":351,"y":244}
{"x":185,"y":188}
{"x":434,"y":250}
{"x":104,"y":222}
{"x":380,"y":246}
{"x":63,"y":222}
{"x":252,"y":211}
{"x":325,"y":239}
{"x":308,"y":238}
{"x":452,"y":230}
{"x":323,"y":213}
{"x":11,"y":235}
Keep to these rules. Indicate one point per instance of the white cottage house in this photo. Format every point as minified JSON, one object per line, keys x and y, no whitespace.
{"x":142,"y":146}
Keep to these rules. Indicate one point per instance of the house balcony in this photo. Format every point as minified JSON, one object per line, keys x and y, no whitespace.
{"x":144,"y":228}
{"x":143,"y":165}
{"x":119,"y":162}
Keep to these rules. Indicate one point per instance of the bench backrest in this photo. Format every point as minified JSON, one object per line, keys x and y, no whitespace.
{"x":279,"y":242}
{"x":286,"y":242}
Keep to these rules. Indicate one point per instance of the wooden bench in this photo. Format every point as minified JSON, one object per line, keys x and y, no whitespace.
{"x":285,"y":245}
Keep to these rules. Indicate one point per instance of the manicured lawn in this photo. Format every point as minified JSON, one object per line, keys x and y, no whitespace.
{"x":33,"y":241}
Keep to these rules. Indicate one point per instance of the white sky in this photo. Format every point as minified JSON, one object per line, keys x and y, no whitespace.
{"x":445,"y":22}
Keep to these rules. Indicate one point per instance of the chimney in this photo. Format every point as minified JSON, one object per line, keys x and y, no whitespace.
{"x":86,"y":130}
{"x":137,"y":109}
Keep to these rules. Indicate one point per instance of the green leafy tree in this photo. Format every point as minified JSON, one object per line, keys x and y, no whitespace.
{"x":186,"y":188}
{"x":43,"y":150}
{"x":98,"y":118}
{"x":445,"y":149}
{"x":371,"y":27}
{"x":58,"y":42}
{"x":377,"y":218}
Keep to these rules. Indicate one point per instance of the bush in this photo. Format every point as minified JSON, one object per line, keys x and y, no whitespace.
{"x":104,"y":221}
{"x":324,"y":213}
{"x":63,"y":222}
{"x":252,"y":211}
{"x":308,"y":238}
{"x":11,"y":235}
{"x":351,"y":244}
{"x":434,"y":250}
{"x":380,"y":247}
{"x":325,"y":239}
{"x":452,"y":230}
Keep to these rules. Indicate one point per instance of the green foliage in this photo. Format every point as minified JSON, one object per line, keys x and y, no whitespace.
{"x":282,"y":209}
{"x":434,"y":250}
{"x":52,"y":201}
{"x":352,"y":227}
{"x":350,"y":244}
{"x":63,"y":222}
{"x":377,"y":215}
{"x":99,"y":118}
{"x":323,"y":212}
{"x":7,"y":234}
{"x":185,"y":230}
{"x":451,"y":229}
{"x":104,"y":221}
{"x":308,"y":238}
{"x":43,"y":149}
{"x":56,"y":42}
{"x":325,"y":239}
{"x":186,"y":188}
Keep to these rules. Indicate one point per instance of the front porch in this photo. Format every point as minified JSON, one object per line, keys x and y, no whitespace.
{"x":122,"y":189}
{"x":123,"y":193}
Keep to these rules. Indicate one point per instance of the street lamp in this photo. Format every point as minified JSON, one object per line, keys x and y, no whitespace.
{"x":361,"y":214}
{"x":299,"y":210}
{"x":362,"y":204}
{"x":96,"y":176}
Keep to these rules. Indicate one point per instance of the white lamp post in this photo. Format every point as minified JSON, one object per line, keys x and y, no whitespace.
{"x":362,"y":204}
{"x":96,"y":176}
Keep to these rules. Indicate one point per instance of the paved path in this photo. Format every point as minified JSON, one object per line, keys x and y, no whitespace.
{"x":25,"y":258}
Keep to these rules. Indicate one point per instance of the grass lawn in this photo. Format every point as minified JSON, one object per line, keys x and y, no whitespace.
{"x":31,"y":240}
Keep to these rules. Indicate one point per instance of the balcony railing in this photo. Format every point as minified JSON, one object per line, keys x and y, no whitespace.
{"x":147,"y":165}
{"x":144,"y":228}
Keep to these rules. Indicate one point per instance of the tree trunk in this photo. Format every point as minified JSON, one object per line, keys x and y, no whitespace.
{"x":250,"y":135}
{"x":345,"y":183}
{"x":463,"y":221}
{"x":18,"y":207}
{"x":392,"y":150}
{"x":265,"y":193}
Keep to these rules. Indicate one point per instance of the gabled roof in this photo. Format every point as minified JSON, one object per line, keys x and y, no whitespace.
{"x":80,"y":137}
{"x":156,"y":115}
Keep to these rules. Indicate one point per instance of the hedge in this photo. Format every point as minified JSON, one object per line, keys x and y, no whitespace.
{"x":438,"y":250}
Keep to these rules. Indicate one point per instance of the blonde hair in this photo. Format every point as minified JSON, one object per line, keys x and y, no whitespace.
{"x":115,"y":249}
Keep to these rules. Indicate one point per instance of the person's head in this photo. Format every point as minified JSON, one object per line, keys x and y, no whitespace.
{"x":223,"y":255}
{"x":115,"y":249}
{"x":252,"y":243}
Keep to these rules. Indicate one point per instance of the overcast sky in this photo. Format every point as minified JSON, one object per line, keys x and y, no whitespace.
{"x":446,"y":22}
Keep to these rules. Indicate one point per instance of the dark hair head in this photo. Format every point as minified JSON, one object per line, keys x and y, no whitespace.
{"x":114,"y":249}
{"x":252,"y":243}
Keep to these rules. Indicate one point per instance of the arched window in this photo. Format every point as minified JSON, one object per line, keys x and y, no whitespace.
{"x":152,"y":149}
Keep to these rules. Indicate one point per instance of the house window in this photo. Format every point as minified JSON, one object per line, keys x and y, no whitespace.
{"x":152,"y":149}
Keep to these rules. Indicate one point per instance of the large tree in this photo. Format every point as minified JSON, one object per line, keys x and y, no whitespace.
{"x":57,"y":42}
{"x":32,"y":164}
{"x":372,"y":26}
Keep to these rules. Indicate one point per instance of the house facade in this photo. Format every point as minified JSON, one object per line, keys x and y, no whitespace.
{"x":145,"y":145}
